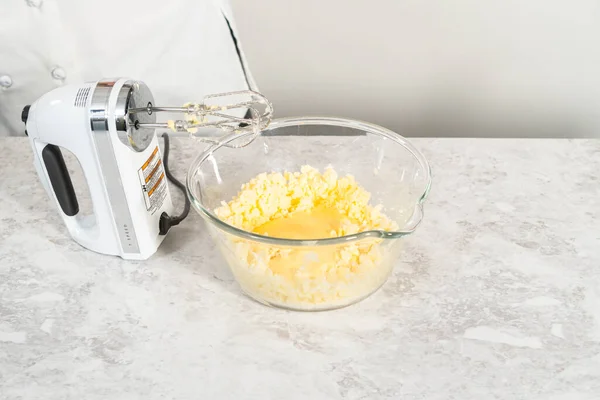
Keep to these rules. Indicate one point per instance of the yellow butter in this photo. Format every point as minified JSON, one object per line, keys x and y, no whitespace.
{"x":306,"y":205}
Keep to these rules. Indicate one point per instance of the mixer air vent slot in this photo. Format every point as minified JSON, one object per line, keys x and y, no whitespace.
{"x":81,"y":97}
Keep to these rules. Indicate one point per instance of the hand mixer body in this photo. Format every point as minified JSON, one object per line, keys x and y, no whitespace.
{"x":122,"y":166}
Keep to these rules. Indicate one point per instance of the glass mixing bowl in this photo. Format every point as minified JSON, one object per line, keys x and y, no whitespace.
{"x":323,"y":273}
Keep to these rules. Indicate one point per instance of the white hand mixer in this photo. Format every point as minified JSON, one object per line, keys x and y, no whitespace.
{"x":110,"y":126}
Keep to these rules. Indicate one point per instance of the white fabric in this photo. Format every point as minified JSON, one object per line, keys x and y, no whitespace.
{"x":182,"y":49}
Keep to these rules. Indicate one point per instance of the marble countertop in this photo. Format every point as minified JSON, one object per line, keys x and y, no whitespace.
{"x":497,"y":296}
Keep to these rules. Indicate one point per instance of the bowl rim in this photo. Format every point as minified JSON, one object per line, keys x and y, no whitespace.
{"x":411,"y":226}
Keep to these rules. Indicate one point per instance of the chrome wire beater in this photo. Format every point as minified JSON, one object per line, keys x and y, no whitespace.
{"x":216,"y":111}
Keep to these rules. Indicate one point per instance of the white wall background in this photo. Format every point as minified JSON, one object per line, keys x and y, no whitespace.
{"x":439,"y":67}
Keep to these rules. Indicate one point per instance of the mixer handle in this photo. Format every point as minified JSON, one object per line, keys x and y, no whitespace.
{"x":60,"y":179}
{"x":58,"y":173}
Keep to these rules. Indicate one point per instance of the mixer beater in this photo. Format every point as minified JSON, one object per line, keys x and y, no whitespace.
{"x":215,"y":111}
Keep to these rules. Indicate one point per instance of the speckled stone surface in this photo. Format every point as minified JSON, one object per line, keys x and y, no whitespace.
{"x":497,"y":296}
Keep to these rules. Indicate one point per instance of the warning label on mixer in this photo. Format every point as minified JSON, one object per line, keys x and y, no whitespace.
{"x":154,"y":184}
